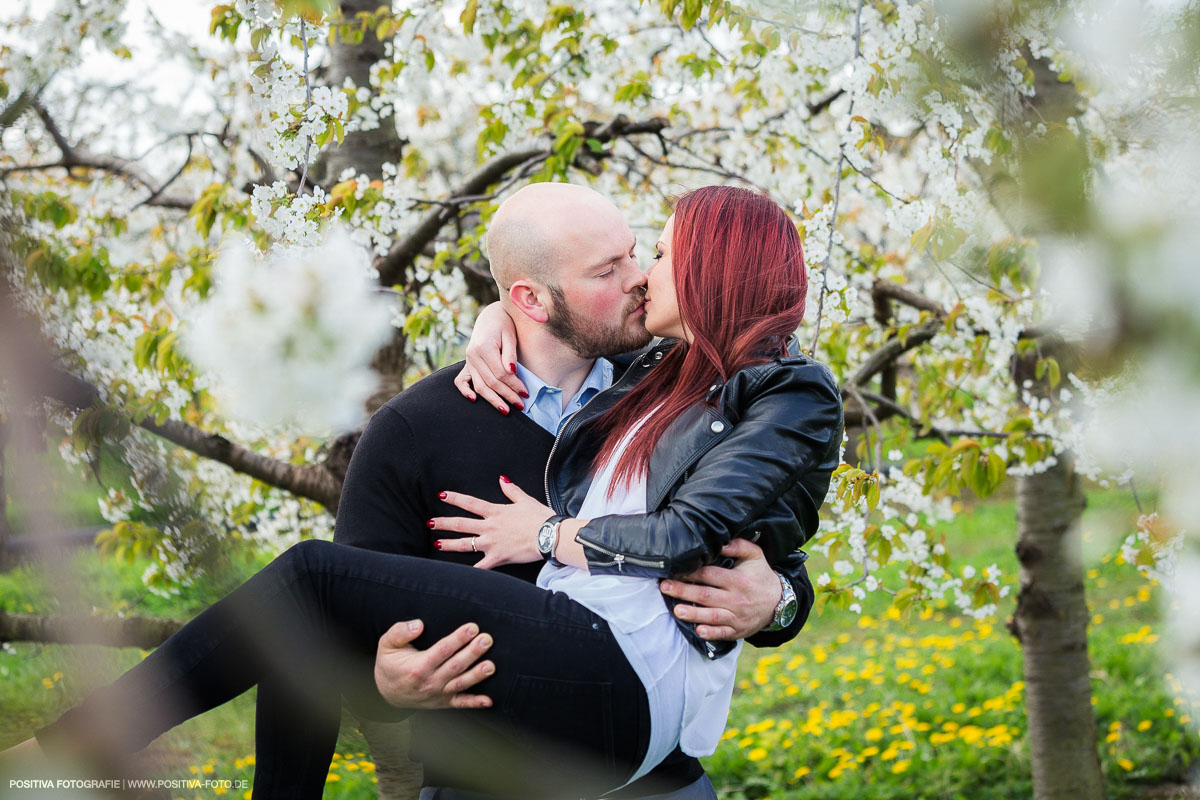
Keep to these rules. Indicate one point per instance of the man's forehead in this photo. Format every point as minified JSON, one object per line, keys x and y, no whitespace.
{"x":594,"y":249}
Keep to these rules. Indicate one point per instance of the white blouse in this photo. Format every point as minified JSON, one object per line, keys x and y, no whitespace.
{"x":688,"y":693}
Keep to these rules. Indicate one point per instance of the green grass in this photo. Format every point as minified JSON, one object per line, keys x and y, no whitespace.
{"x":856,"y":707}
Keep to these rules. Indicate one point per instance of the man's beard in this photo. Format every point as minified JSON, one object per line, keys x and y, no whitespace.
{"x":589,"y":339}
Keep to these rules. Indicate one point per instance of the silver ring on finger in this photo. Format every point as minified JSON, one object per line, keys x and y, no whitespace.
{"x":474,"y":549}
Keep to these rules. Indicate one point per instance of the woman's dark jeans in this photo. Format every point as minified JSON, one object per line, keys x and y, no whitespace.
{"x":569,"y":715}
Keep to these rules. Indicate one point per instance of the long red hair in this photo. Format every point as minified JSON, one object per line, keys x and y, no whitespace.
{"x":741,"y":286}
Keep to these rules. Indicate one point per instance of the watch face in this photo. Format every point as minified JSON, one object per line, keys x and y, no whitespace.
{"x":789,"y":612}
{"x":545,"y":534}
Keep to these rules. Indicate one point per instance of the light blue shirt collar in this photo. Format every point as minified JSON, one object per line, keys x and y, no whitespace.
{"x":545,"y":405}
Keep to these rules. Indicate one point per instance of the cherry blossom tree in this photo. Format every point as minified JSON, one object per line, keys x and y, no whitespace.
{"x":211,"y":270}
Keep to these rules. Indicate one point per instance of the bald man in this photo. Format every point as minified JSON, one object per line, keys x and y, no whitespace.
{"x":563,"y":259}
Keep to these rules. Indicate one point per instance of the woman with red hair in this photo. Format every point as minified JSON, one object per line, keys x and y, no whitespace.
{"x":720,"y":430}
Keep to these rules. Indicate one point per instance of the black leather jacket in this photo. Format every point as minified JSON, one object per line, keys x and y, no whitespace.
{"x":753,"y":460}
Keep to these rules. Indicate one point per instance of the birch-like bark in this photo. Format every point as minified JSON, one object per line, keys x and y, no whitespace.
{"x":1051,"y":624}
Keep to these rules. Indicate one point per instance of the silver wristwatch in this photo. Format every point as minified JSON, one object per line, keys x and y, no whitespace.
{"x":785,"y":612}
{"x":547,"y":539}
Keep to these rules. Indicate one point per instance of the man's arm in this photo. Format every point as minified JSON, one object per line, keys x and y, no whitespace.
{"x":382,"y":508}
{"x":383,"y":504}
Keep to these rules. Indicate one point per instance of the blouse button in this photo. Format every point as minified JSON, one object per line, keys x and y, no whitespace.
{"x":717,"y":427}
{"x":658,"y":356}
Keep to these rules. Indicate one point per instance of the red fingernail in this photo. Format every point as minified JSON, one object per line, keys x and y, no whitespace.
{"x":437,"y":545}
{"x":502,"y":410}
{"x":471,"y":398}
{"x":429,"y":524}
{"x":512,"y":368}
{"x":520,"y":406}
{"x":441,"y":495}
{"x":524,"y":394}
{"x":505,"y":479}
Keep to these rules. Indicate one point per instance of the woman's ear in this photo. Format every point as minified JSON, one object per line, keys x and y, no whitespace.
{"x":530,"y":299}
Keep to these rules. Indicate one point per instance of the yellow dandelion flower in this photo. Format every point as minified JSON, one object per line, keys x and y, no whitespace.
{"x":1125,"y":764}
{"x":208,"y":769}
{"x":49,"y":684}
{"x":868,"y":752}
{"x":332,"y":777}
{"x":801,"y":772}
{"x":1144,"y":725}
{"x":901,"y":766}
{"x":958,"y":708}
{"x":368,"y":767}
{"x":194,"y":769}
{"x":757,"y":754}
{"x":874,"y":735}
{"x":890,"y":753}
{"x":1097,"y":619}
{"x":246,"y":796}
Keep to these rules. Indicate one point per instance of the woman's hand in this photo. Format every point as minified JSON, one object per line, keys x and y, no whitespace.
{"x":491,"y":367}
{"x":505,"y":533}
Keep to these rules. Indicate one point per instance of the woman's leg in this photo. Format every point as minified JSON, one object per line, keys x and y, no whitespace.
{"x":310,"y":621}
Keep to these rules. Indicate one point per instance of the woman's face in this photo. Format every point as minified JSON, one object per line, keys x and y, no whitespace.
{"x":662,"y":308}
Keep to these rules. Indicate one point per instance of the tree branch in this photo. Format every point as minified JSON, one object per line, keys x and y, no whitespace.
{"x":79,"y":156}
{"x":312,"y":481}
{"x":891,"y":350}
{"x":143,"y":632}
{"x":890,"y":290}
{"x":405,"y":251}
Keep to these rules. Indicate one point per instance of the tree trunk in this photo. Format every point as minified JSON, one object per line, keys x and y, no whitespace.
{"x":367,"y":152}
{"x":398,"y":776}
{"x":362,"y":151}
{"x":1051,"y":624}
{"x":5,"y":531}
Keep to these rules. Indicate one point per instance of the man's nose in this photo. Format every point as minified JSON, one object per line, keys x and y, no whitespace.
{"x":635,"y":280}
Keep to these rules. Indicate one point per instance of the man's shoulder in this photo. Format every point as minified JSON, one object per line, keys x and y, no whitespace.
{"x":433,"y":395}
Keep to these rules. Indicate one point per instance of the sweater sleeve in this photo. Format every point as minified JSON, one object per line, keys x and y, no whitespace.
{"x":793,"y":570}
{"x":381,"y":506}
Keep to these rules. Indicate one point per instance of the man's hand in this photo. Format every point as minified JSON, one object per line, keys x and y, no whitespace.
{"x":433,"y":678}
{"x":730,"y":603}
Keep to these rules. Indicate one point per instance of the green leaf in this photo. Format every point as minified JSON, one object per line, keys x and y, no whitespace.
{"x":921,"y":237}
{"x":468,"y":15}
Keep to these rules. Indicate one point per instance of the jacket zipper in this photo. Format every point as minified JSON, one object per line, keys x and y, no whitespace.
{"x":620,"y":559}
{"x":563,"y":431}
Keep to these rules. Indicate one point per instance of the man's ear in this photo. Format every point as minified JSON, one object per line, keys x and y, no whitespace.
{"x":530,"y":299}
